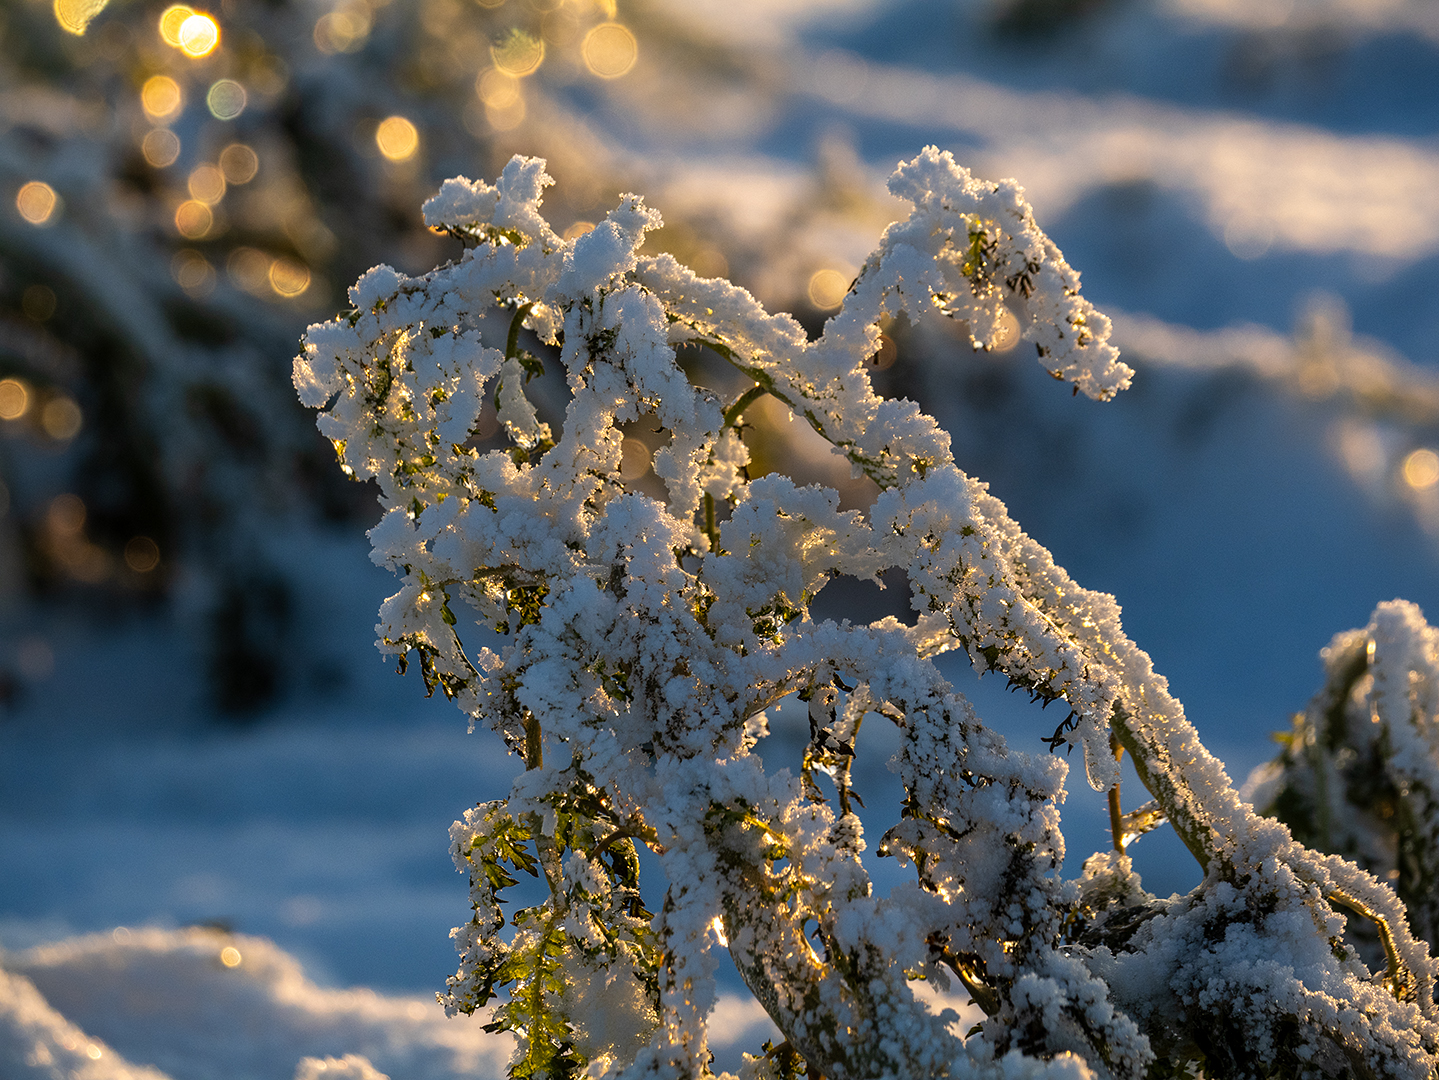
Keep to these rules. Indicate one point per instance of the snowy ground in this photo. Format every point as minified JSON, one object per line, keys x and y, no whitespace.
{"x":1204,"y":164}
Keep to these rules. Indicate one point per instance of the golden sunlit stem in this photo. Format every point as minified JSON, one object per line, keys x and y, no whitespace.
{"x":745,"y":400}
{"x":512,"y":343}
{"x":1116,"y":815}
{"x":534,"y":748}
{"x":710,"y":529}
{"x":1401,"y":982}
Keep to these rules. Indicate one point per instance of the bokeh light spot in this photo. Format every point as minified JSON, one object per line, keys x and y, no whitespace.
{"x":635,"y":459}
{"x":161,"y":147}
{"x":61,"y":418}
{"x":171,"y":21}
{"x":506,"y":118}
{"x":207,"y":184}
{"x":497,"y":89}
{"x":397,"y":138}
{"x":161,"y":97}
{"x":1248,"y":238}
{"x":75,"y":15}
{"x":827,"y":289}
{"x":230,"y":956}
{"x":142,"y":555}
{"x":343,"y":30}
{"x":560,"y":27}
{"x":37,"y":202}
{"x":249,"y":269}
{"x":226,"y":99}
{"x":1006,"y":334}
{"x":239,"y":163}
{"x":14,"y":399}
{"x":199,"y":34}
{"x":1421,"y":469}
{"x":610,"y":50}
{"x":288,"y":277}
{"x":519,"y":54}
{"x":192,"y":272}
{"x":193,"y":219}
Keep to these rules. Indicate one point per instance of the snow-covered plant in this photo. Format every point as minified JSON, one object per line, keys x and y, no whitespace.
{"x":627,"y":646}
{"x":1359,"y":772}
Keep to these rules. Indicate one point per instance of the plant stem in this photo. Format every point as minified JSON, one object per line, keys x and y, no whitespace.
{"x":1116,"y":815}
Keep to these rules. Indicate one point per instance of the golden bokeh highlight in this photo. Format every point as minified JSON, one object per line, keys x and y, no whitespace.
{"x":199,"y":35}
{"x":161,"y":97}
{"x":827,"y":289}
{"x":578,"y":229}
{"x":171,"y":21}
{"x":14,"y":399}
{"x":230,"y":956}
{"x":560,"y":27}
{"x":498,"y":89}
{"x":37,"y":202}
{"x":142,"y":554}
{"x":61,"y":418}
{"x":343,"y":30}
{"x":193,"y":219}
{"x":239,"y":163}
{"x":207,"y":184}
{"x":161,"y":148}
{"x":610,"y":50}
{"x":226,"y":99}
{"x":288,"y":277}
{"x":507,"y":118}
{"x":193,"y":272}
{"x":249,"y":269}
{"x":519,"y":54}
{"x":1421,"y":469}
{"x":75,"y":15}
{"x":397,"y":138}
{"x":1007,"y":334}
{"x":65,"y":543}
{"x":635,"y":459}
